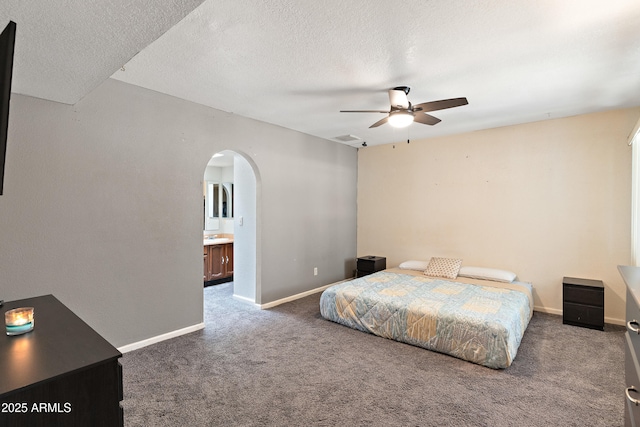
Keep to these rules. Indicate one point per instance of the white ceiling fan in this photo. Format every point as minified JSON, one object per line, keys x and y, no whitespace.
{"x":402,"y":113}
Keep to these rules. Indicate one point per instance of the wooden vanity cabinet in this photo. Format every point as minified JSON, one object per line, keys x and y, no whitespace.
{"x":228,"y":256}
{"x":206,"y":263}
{"x":218,"y":261}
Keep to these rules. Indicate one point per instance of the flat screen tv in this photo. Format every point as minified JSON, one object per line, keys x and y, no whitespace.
{"x":7,"y":43}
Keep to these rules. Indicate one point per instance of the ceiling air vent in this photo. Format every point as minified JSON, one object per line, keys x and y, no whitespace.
{"x":347,"y":138}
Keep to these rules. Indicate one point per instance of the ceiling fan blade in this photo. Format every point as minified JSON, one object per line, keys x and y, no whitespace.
{"x":426,"y":119}
{"x":398,"y":99}
{"x":379,"y":122}
{"x":364,"y":111}
{"x":440,"y":105}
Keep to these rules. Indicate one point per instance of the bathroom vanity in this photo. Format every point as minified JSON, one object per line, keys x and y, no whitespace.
{"x":218,"y":259}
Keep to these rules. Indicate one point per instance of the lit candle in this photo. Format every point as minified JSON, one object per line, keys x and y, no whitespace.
{"x":19,"y":320}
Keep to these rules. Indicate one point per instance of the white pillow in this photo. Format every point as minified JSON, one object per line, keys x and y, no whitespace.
{"x":414,"y":265}
{"x":483,"y":273}
{"x":443,"y":267}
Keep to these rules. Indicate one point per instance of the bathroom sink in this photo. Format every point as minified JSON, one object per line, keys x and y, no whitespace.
{"x":217,"y":241}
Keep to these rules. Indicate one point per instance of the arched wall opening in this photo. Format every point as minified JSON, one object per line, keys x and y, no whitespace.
{"x":242,"y":220}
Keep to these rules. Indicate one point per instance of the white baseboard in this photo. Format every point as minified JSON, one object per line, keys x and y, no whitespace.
{"x":547,"y":310}
{"x":613,"y":321}
{"x":610,"y":320}
{"x":298,"y":296}
{"x":157,"y":339}
{"x":189,"y":329}
{"x":245,"y":299}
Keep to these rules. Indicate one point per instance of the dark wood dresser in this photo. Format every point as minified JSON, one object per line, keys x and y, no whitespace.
{"x":631,"y":276}
{"x":60,"y":374}
{"x":370,"y":264}
{"x":583,"y":302}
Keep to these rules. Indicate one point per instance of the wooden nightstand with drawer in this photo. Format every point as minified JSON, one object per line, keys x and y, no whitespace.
{"x":583,"y":303}
{"x":370,"y":264}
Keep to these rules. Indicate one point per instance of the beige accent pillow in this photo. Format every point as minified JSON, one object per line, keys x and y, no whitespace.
{"x":443,"y":267}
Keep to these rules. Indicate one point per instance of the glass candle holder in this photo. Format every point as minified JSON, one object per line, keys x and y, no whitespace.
{"x":19,"y":320}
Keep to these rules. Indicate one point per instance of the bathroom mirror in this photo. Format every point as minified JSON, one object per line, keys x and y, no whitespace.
{"x":218,"y":189}
{"x":218,"y":203}
{"x":227,"y":200}
{"x":211,"y":203}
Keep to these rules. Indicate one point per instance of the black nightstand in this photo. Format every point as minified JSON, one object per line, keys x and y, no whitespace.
{"x":583,"y":303}
{"x":370,"y":264}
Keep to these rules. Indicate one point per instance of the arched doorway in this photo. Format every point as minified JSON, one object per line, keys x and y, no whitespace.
{"x":231,"y":206}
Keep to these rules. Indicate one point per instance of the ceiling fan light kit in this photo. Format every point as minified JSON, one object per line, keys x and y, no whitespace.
{"x":402,"y":113}
{"x":400,"y":119}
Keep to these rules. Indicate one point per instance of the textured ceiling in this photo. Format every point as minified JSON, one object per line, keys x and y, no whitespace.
{"x":66,"y":48}
{"x":297,"y":63}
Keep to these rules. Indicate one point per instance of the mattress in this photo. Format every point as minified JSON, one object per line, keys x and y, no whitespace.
{"x":475,"y":320}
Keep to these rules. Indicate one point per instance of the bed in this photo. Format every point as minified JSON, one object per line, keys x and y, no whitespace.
{"x":481,"y":321}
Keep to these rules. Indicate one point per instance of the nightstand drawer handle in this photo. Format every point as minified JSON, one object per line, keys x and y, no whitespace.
{"x":633,"y":326}
{"x":631,"y":399}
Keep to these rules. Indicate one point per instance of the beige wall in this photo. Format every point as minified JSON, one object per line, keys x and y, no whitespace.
{"x":545,"y":200}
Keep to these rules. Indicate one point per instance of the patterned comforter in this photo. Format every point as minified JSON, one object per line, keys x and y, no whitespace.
{"x":482,"y":323}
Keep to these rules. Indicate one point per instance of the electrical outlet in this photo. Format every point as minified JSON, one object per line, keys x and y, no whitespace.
{"x":315,"y":271}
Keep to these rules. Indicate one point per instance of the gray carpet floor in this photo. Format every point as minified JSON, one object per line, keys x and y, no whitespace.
{"x":288,"y":366}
